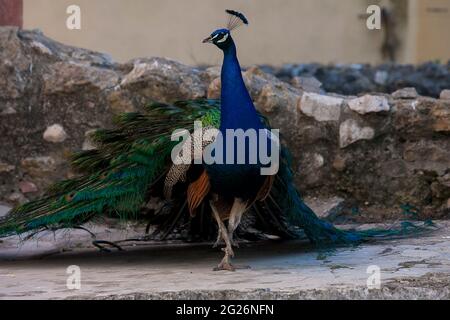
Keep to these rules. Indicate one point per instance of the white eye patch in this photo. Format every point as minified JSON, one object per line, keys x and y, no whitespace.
{"x":215,"y":36}
{"x":223,"y":39}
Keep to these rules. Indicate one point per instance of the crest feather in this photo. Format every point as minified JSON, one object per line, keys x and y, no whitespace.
{"x":236,"y":20}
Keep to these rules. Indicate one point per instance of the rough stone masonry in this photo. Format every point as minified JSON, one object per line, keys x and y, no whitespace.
{"x":372,"y":156}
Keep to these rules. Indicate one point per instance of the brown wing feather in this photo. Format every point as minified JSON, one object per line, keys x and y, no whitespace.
{"x":264,"y":192}
{"x":197,"y":191}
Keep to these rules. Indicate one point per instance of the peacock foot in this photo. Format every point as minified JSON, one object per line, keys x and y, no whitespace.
{"x":225,"y":266}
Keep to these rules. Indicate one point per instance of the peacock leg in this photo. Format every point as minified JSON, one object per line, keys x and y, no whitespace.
{"x":219,"y":239}
{"x":236,"y":213}
{"x":225,"y":264}
{"x":219,"y":232}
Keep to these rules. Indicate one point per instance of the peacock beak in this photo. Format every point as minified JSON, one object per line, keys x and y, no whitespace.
{"x":208,"y":40}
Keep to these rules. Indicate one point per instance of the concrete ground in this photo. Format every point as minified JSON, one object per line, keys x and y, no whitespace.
{"x":417,"y":268}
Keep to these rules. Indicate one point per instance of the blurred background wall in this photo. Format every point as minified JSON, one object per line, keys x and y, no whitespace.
{"x":281,"y":31}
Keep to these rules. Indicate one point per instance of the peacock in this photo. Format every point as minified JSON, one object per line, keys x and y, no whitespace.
{"x":141,"y":158}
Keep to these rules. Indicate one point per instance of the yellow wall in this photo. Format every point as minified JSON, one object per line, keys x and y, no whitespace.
{"x":280,"y":31}
{"x":433,"y":38}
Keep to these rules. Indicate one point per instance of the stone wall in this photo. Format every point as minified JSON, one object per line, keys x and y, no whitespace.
{"x":365,"y":157}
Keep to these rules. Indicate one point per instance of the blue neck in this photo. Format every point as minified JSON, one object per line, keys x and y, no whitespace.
{"x":238,"y":110}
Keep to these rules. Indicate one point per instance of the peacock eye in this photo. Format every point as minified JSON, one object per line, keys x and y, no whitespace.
{"x":223,"y":38}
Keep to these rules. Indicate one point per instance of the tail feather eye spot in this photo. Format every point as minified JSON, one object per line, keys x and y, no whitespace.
{"x":70,"y":197}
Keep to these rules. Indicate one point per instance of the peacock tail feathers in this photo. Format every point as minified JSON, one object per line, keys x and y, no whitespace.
{"x":115,"y":177}
{"x":295,"y":211}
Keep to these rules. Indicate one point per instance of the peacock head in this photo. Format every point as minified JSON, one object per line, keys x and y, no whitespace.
{"x":222,"y":37}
